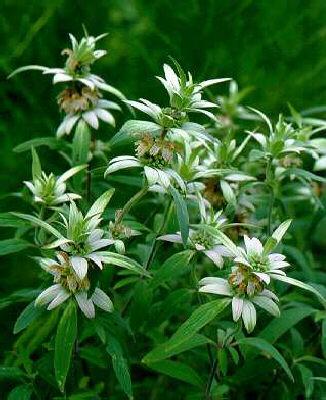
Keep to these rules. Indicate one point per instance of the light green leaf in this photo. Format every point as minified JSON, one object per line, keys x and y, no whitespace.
{"x":36,"y":165}
{"x":281,"y":230}
{"x":64,"y":343}
{"x":100,"y":204}
{"x":122,"y":261}
{"x":42,"y":224}
{"x":177,"y":370}
{"x":174,"y":266}
{"x":182,"y":213}
{"x":51,"y":142}
{"x":9,"y":246}
{"x":27,"y":68}
{"x":301,"y":285}
{"x":134,"y":129}
{"x":266,"y":347}
{"x":81,"y":143}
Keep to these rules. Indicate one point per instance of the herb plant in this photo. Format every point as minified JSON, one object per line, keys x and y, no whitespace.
{"x":174,"y":252}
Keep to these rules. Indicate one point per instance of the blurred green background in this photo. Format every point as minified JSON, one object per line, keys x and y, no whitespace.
{"x":278,"y":47}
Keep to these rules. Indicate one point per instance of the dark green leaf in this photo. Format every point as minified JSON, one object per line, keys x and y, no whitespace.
{"x":120,"y":365}
{"x":177,"y":370}
{"x":198,"y":319}
{"x":266,"y":347}
{"x":27,"y":316}
{"x":22,"y":392}
{"x":64,"y":343}
{"x":174,"y":266}
{"x":9,"y":246}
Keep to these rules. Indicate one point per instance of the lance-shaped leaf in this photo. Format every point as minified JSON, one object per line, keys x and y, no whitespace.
{"x":36,"y":165}
{"x":301,"y":285}
{"x":120,"y":365}
{"x":64,"y":343}
{"x":9,"y":246}
{"x":266,"y":347}
{"x":177,"y":370}
{"x":42,"y":224}
{"x":187,"y":331}
{"x":182,"y":214}
{"x":100,"y":204}
{"x":122,"y":261}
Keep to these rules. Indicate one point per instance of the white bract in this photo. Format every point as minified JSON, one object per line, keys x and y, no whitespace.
{"x":246,"y":293}
{"x":68,"y":283}
{"x":50,"y":190}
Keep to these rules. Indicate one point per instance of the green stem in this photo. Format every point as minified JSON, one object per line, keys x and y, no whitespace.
{"x":165,"y":221}
{"x":88,"y":182}
{"x":270,"y":211}
{"x":270,"y":184}
{"x":210,"y":379}
{"x":130,"y":203}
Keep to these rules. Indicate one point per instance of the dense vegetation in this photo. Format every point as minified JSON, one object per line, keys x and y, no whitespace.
{"x":170,"y":247}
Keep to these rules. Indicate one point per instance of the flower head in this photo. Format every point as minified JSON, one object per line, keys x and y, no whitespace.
{"x":66,"y":284}
{"x":49,"y":189}
{"x":246,"y":291}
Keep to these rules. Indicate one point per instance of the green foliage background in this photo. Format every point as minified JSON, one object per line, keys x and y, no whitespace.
{"x":278,"y":47}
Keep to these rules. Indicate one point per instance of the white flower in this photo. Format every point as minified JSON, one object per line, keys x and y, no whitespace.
{"x":92,"y":116}
{"x":68,"y":283}
{"x":242,"y":304}
{"x":50,"y":190}
{"x":186,"y":95}
{"x":203,"y":242}
{"x":161,"y":176}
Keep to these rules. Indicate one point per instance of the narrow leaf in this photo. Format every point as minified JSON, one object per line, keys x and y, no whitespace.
{"x":266,"y":347}
{"x":64,"y":342}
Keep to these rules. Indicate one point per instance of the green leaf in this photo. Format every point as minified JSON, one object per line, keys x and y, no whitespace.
{"x":120,"y":365}
{"x":165,"y":350}
{"x":27,"y":316}
{"x":198,"y":319}
{"x":50,"y":141}
{"x":301,"y":173}
{"x":306,"y":377}
{"x":302,"y":285}
{"x":11,"y":373}
{"x":323,"y":339}
{"x":100,"y":204}
{"x":122,"y":261}
{"x":289,"y":318}
{"x":134,"y":129}
{"x":182,"y":213}
{"x":42,"y":224}
{"x":9,"y":246}
{"x":177,"y":370}
{"x":81,"y":143}
{"x":174,"y":266}
{"x":281,"y":230}
{"x":36,"y":165}
{"x":22,"y":392}
{"x":36,"y":333}
{"x":266,"y":347}
{"x":64,"y":343}
{"x":9,"y":220}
